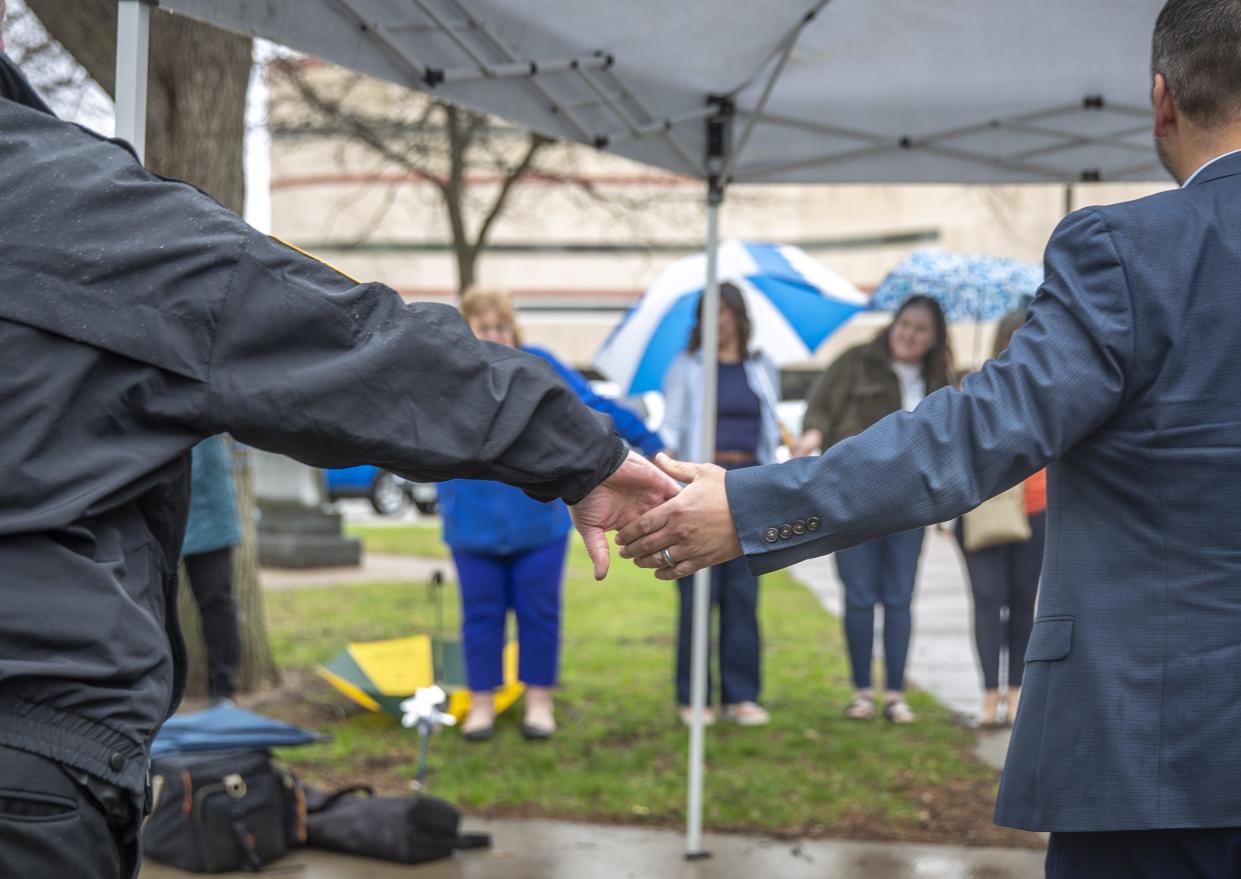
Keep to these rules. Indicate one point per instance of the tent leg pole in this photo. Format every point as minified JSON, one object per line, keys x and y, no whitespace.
{"x":133,"y":31}
{"x":701,"y":606}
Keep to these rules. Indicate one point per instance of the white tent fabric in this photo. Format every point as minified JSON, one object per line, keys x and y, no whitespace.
{"x":873,"y":90}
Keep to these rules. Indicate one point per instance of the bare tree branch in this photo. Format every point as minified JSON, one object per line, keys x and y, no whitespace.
{"x":475,"y":163}
{"x":536,"y":144}
{"x":354,"y":124}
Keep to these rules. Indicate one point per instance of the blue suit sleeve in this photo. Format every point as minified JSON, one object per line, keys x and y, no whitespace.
{"x":1062,"y":377}
{"x":628,"y":424}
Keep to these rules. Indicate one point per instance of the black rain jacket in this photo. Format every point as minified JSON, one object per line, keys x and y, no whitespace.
{"x":138,"y":316}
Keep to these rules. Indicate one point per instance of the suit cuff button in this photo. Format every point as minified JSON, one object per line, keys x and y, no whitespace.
{"x":799,"y":527}
{"x":812,"y":524}
{"x":771,"y":535}
{"x":786,"y":531}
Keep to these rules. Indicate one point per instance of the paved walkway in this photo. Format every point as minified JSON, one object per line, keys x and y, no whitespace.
{"x":375,"y":567}
{"x":567,"y":850}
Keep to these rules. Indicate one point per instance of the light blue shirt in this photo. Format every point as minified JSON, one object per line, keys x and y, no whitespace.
{"x":682,"y":427}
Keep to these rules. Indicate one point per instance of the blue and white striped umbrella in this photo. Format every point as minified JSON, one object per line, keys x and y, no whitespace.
{"x":794,"y":301}
{"x":969,"y":287}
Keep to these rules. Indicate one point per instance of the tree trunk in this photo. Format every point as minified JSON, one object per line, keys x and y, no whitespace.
{"x":196,"y":92}
{"x":466,"y":256}
{"x":196,"y":103}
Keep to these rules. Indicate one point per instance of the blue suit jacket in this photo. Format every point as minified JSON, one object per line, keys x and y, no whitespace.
{"x":1127,"y":375}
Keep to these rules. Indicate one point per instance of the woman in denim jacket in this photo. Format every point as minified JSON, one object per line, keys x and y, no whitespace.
{"x":747,"y":433}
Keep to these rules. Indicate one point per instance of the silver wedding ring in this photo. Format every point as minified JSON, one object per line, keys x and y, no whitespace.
{"x":667,"y":558}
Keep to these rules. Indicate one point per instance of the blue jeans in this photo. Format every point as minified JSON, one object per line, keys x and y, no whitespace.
{"x":735,"y":590}
{"x":529,"y":583}
{"x":884,"y":571}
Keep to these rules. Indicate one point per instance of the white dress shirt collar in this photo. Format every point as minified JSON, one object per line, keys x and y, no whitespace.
{"x":1206,"y":165}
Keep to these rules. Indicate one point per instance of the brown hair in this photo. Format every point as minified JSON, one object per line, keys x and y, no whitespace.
{"x":1004,"y":330}
{"x":937,"y":366}
{"x":730,"y":298}
{"x":476,"y":302}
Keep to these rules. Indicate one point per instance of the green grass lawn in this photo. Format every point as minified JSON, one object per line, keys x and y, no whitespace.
{"x":620,"y":753}
{"x":419,"y":540}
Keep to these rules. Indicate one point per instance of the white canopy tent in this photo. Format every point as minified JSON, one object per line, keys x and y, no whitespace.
{"x":807,"y":91}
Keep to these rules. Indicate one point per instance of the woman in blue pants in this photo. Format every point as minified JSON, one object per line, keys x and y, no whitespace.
{"x":510,"y":550}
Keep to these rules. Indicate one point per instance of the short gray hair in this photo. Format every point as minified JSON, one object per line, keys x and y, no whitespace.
{"x":1197,"y":48}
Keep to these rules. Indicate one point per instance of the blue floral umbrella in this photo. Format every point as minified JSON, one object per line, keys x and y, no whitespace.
{"x":969,"y":287}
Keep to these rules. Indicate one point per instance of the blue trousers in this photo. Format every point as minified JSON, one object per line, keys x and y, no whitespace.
{"x":529,"y":583}
{"x":735,"y":590}
{"x":1145,"y":854}
{"x":884,"y":571}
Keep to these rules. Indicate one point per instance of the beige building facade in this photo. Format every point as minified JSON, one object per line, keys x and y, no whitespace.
{"x":578,"y":244}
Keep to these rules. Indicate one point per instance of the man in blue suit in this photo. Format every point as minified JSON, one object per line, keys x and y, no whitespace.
{"x":1127,"y":380}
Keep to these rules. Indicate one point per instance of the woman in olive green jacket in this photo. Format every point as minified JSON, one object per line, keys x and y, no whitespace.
{"x":908,"y":360}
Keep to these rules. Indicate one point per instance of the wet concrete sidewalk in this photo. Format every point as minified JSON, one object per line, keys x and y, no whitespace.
{"x":565,"y":850}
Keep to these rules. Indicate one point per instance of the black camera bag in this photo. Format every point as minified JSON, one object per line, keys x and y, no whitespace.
{"x":219,"y":811}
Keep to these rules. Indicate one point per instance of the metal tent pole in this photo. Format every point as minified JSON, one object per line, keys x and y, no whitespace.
{"x":718,"y":131}
{"x":133,"y":32}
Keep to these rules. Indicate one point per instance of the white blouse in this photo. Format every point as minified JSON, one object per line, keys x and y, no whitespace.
{"x":913,"y":384}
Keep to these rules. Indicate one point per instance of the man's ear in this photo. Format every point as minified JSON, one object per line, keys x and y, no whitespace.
{"x":1165,"y":107}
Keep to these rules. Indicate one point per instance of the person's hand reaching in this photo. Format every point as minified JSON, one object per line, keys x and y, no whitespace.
{"x":635,"y":487}
{"x":807,"y":443}
{"x":691,"y":531}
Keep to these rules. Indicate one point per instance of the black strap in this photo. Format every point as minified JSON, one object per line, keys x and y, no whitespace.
{"x":466,"y":841}
{"x":336,"y":796}
{"x":250,"y":860}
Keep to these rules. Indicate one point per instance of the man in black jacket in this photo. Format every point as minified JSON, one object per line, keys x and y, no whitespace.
{"x":137,"y":316}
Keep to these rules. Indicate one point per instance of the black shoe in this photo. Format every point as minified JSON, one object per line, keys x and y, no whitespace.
{"x":481,"y":734}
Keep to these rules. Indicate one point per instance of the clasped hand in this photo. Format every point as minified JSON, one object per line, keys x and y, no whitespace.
{"x":674,"y":531}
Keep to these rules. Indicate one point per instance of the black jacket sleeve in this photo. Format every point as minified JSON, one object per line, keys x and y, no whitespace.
{"x":257,"y":339}
{"x":311,"y":364}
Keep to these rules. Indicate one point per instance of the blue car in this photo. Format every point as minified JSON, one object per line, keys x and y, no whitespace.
{"x":388,"y":493}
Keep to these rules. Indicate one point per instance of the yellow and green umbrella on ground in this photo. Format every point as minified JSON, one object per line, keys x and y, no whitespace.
{"x":380,"y":675}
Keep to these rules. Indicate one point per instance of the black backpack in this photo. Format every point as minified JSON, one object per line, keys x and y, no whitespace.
{"x":218,"y":811}
{"x":407,"y":830}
